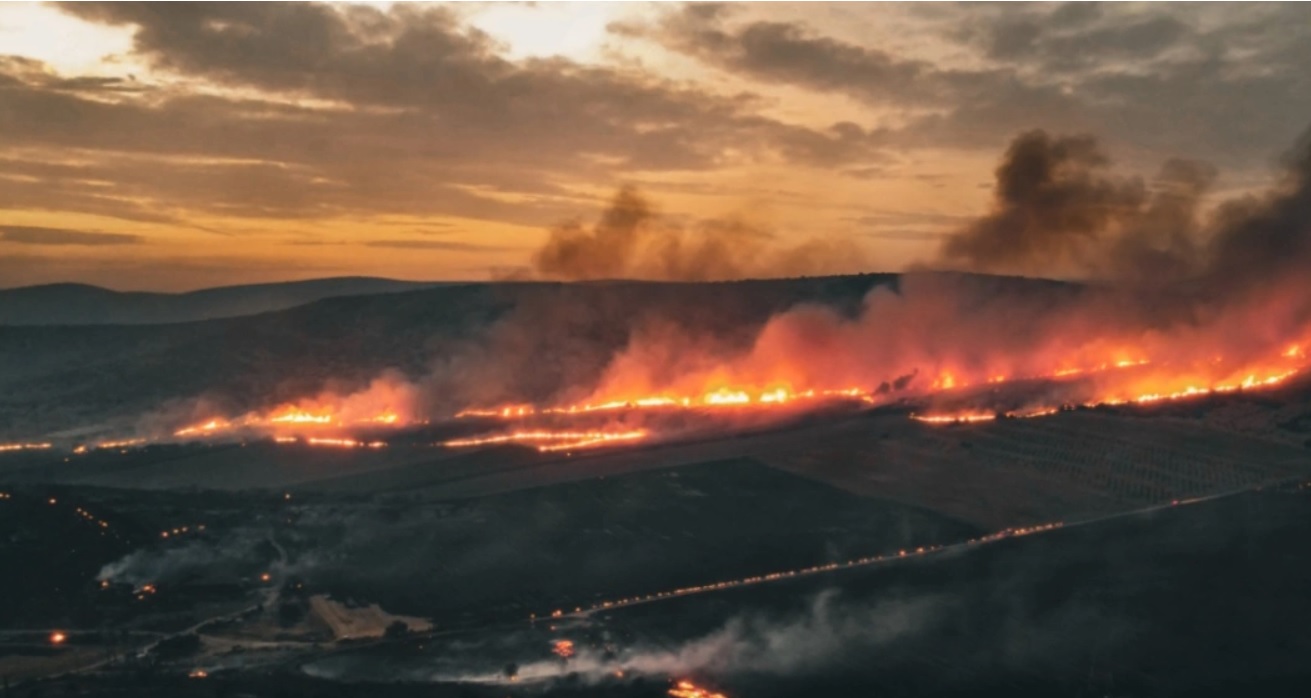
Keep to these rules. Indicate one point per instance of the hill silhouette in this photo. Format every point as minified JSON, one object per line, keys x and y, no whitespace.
{"x":82,"y":304}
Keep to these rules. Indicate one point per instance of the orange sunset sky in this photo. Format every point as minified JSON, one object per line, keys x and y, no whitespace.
{"x":171,"y":147}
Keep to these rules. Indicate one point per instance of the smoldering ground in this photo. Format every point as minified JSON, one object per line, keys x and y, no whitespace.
{"x":1112,"y":607}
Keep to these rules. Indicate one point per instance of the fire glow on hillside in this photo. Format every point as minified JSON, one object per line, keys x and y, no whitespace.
{"x":1123,"y":377}
{"x":1175,"y":308}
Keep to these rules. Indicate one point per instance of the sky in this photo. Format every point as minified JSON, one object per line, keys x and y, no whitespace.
{"x":178,"y":146}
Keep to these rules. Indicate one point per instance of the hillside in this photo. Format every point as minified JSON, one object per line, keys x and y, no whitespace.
{"x":471,"y":343}
{"x":80,"y":304}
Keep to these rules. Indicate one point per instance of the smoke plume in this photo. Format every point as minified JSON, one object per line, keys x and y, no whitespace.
{"x":1057,"y":212}
{"x":1206,"y":300}
{"x":631,"y":241}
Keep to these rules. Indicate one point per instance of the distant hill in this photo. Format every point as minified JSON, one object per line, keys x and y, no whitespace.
{"x":81,"y":304}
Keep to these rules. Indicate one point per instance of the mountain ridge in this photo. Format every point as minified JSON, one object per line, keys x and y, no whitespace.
{"x":72,"y":303}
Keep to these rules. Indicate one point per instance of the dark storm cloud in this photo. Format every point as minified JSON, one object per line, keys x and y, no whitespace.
{"x":796,"y":54}
{"x":1063,"y":44}
{"x":34,"y":235}
{"x":1158,"y":77}
{"x":1221,"y":81}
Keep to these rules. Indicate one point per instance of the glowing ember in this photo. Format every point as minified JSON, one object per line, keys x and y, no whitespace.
{"x":24,"y":447}
{"x":1249,"y":382}
{"x":964,"y":417}
{"x":210,"y":427}
{"x":563,"y":648}
{"x":551,"y":440}
{"x":345,"y":443}
{"x":718,"y":398}
{"x":121,"y":444}
{"x":1032,"y":413}
{"x":728,"y":397}
{"x":300,"y":417}
{"x":687,"y":689}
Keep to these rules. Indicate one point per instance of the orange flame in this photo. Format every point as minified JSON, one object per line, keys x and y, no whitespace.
{"x":687,"y":689}
{"x":24,"y":447}
{"x":345,"y":443}
{"x":547,"y":441}
{"x":964,"y":417}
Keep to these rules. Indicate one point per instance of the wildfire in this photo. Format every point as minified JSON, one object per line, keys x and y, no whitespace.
{"x":964,"y":417}
{"x":1160,"y":387}
{"x":345,"y":443}
{"x":546,"y":441}
{"x":57,"y":638}
{"x":386,"y":402}
{"x":722,"y":397}
{"x":1033,"y":413}
{"x":210,"y":427}
{"x":1126,"y":376}
{"x":1090,"y":374}
{"x":563,"y":648}
{"x":294,"y":416}
{"x":25,"y":447}
{"x":112,"y":445}
{"x":1249,"y":382}
{"x":687,"y":689}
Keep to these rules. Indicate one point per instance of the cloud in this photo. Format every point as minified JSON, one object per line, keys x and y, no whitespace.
{"x":795,"y":54}
{"x":1161,"y":77}
{"x":307,"y":112}
{"x":34,"y":235}
{"x":314,"y":111}
{"x":443,"y":245}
